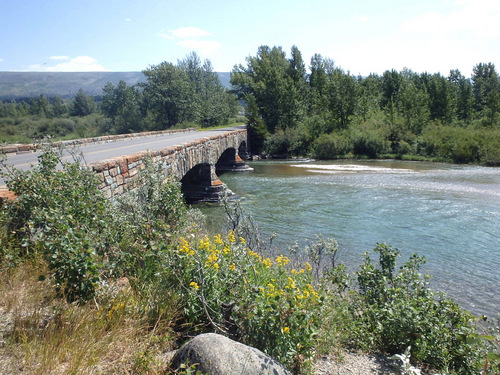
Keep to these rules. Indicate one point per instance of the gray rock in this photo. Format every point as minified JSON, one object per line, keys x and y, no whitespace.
{"x":219,"y":355}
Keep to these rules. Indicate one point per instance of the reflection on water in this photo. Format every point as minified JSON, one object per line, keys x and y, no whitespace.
{"x":449,"y":213}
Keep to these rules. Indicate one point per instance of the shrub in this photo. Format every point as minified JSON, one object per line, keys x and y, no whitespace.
{"x":288,"y":142}
{"x":62,"y":214}
{"x":368,"y":143}
{"x":397,"y":309}
{"x":331,"y":146}
{"x":229,"y":288}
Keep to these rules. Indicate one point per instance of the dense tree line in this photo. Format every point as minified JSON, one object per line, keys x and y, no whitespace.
{"x":322,"y":111}
{"x":330,"y":113}
{"x":189,"y":93}
{"x":42,"y":106}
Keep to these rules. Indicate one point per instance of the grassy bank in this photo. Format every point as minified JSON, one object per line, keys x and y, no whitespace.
{"x":92,"y":286}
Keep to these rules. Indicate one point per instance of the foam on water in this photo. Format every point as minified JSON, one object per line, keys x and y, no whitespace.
{"x":325,"y":168}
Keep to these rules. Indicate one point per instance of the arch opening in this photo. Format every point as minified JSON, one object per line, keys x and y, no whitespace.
{"x":201,"y":184}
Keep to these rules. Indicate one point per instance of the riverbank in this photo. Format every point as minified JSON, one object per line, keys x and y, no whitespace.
{"x":446,"y":212}
{"x":110,"y":288}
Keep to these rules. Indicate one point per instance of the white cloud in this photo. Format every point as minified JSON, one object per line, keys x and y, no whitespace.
{"x":204,"y":47}
{"x":479,"y":18}
{"x":59,"y":57}
{"x":189,"y":32}
{"x":77,"y":64}
{"x":128,"y":19}
{"x":1,"y":59}
{"x":166,"y":36}
{"x":190,"y":40}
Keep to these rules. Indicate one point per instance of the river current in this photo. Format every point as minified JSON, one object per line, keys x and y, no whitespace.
{"x":448,"y":213}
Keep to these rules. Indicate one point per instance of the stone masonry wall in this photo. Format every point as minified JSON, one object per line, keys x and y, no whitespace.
{"x":117,"y":175}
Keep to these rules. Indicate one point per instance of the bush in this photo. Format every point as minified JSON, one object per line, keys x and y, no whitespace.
{"x":331,"y":146}
{"x":231,"y":289}
{"x":288,"y":142}
{"x":62,"y":214}
{"x":397,"y":309}
{"x":368,"y":143}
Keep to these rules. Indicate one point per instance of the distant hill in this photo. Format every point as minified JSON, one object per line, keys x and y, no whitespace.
{"x":15,"y":85}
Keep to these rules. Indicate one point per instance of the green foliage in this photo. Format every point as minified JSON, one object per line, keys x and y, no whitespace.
{"x":368,"y":142}
{"x":331,"y":146}
{"x":62,"y":214}
{"x":34,"y":129}
{"x":288,"y":142}
{"x":275,"y":84}
{"x":83,"y":105}
{"x":231,"y":289}
{"x":397,"y":309}
{"x":188,"y":91}
{"x":280,"y":96}
{"x":123,"y":105}
{"x":149,"y":218}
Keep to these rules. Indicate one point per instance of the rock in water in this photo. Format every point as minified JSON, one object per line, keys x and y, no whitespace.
{"x":218,"y":355}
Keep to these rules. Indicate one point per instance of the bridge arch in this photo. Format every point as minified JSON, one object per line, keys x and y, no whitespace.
{"x":195,"y":164}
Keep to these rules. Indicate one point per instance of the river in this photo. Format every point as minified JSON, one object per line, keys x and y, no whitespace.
{"x":448,"y":213}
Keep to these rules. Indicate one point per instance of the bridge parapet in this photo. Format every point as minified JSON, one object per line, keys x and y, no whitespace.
{"x":193,"y":163}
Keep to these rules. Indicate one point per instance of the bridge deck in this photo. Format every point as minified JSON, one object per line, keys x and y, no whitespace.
{"x":95,"y":152}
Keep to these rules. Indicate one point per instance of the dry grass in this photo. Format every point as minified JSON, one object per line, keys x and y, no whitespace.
{"x":42,"y":334}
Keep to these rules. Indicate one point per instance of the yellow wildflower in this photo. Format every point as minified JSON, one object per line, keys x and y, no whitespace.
{"x":218,"y":239}
{"x":308,"y":267}
{"x":312,"y":291}
{"x":231,"y":237}
{"x":242,"y":240}
{"x":286,"y":330}
{"x":282,"y":260}
{"x":184,"y":248}
{"x":232,"y":267}
{"x":267,"y":262}
{"x":194,"y":285}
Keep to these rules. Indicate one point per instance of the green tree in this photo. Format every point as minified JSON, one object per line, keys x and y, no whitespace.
{"x":486,"y":88}
{"x":58,"y":107}
{"x":41,"y":107}
{"x":318,"y":82}
{"x":441,"y":99}
{"x":266,"y":78}
{"x":170,"y":94}
{"x":342,"y":96}
{"x":83,"y":105}
{"x":212,"y":105}
{"x":122,"y":105}
{"x":369,"y":95}
{"x":413,"y":106}
{"x":462,"y":91}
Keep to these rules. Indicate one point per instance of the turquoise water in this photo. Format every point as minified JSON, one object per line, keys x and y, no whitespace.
{"x":448,"y":213}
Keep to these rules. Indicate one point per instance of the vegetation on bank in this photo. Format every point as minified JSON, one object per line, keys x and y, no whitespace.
{"x":329,"y":113}
{"x":110,"y":287}
{"x":323,"y":111}
{"x":188,"y":94}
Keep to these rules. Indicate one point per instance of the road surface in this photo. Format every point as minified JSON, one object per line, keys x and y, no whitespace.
{"x":94,"y":152}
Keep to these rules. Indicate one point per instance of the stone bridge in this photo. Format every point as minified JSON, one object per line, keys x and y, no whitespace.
{"x":196,"y":164}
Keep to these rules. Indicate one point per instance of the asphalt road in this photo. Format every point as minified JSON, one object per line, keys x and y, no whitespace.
{"x":94,"y":152}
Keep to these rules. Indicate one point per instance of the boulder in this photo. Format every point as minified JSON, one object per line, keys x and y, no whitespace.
{"x":218,"y":355}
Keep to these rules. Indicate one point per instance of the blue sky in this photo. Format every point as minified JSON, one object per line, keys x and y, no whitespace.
{"x":361,"y":36}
